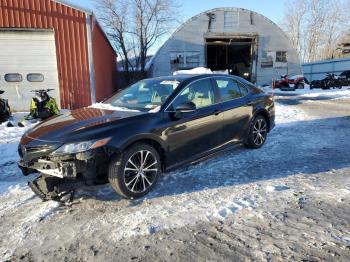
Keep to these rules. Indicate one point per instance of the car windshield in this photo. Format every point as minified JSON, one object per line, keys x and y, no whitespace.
{"x":145,"y":95}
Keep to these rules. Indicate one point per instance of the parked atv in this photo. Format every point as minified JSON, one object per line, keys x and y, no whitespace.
{"x":345,"y":78}
{"x":5,"y":111}
{"x":330,"y":81}
{"x":42,"y":106}
{"x":290,"y":84}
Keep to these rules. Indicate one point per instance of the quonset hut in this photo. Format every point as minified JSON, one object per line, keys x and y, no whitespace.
{"x":238,"y":41}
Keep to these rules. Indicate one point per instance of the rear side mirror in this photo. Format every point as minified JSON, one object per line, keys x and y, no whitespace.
{"x":185,"y":107}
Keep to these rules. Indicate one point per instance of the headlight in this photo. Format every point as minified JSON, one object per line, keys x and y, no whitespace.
{"x":74,"y":148}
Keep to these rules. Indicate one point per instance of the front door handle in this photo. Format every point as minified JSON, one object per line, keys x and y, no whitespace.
{"x":217,"y":112}
{"x":249,"y":103}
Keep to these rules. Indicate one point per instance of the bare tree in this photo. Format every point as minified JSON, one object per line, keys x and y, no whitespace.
{"x":135,"y":26}
{"x":116,"y":19}
{"x":315,"y":26}
{"x":315,"y":23}
{"x":335,"y":27}
{"x":294,"y":24}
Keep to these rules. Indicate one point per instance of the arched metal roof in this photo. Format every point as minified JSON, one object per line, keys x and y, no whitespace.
{"x":215,"y":10}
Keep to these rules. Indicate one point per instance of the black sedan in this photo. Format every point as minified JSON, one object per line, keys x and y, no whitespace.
{"x":151,"y":127}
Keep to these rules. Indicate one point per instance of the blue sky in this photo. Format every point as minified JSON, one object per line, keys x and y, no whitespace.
{"x":273,"y":9}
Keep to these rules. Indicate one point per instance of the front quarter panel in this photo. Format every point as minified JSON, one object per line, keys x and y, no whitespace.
{"x":147,"y":126}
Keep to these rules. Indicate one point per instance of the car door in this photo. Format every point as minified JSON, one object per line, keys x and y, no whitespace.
{"x":236,"y":108}
{"x":198,"y":131}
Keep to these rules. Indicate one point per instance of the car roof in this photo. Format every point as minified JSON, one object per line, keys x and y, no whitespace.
{"x":176,"y":77}
{"x":188,"y":77}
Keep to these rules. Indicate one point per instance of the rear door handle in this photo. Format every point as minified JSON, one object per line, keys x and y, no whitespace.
{"x":249,"y":103}
{"x":217,"y":112}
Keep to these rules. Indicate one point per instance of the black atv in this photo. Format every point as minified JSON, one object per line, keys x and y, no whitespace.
{"x":5,"y":111}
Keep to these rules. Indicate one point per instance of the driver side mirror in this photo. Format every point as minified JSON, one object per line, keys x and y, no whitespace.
{"x":185,"y":107}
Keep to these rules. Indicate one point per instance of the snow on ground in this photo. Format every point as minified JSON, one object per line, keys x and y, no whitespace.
{"x":10,"y":135}
{"x":214,"y":189}
{"x":9,"y":138}
{"x":312,"y":93}
{"x":286,"y":115}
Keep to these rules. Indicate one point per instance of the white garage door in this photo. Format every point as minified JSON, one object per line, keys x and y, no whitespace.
{"x":27,"y":62}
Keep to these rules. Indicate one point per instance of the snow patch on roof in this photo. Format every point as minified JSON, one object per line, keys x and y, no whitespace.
{"x":194,"y":71}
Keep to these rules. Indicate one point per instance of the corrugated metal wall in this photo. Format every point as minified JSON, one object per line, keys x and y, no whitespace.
{"x":71,"y":42}
{"x":104,"y":64}
{"x":318,"y":70}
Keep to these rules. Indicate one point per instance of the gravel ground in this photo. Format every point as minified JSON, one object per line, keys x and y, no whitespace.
{"x":287,"y":201}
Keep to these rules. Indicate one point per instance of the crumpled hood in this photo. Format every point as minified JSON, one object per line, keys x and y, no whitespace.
{"x":58,"y":129}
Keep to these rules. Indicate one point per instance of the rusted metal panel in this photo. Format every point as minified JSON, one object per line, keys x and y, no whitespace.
{"x":104,"y":63}
{"x":69,"y":25}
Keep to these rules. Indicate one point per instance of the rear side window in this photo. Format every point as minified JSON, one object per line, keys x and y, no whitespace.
{"x":13,"y":77}
{"x":34,"y":77}
{"x":200,"y":93}
{"x":243,"y":89}
{"x":228,"y":89}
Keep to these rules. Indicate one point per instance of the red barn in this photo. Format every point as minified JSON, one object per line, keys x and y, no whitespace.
{"x":53,"y":44}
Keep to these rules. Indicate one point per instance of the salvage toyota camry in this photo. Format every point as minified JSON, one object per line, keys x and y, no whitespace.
{"x":151,"y":127}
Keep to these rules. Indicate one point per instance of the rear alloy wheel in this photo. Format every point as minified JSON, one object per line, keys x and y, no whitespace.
{"x":257,"y":132}
{"x":135,"y":172}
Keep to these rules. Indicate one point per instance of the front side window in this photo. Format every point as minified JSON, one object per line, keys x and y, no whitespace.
{"x":145,"y":95}
{"x":13,"y":77}
{"x":200,"y":93}
{"x":229,"y":89}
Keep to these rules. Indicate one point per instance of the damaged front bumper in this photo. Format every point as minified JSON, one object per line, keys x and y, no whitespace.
{"x":60,"y":175}
{"x":48,"y":167}
{"x":65,"y":166}
{"x":52,"y":188}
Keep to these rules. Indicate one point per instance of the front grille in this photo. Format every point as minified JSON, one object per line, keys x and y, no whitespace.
{"x":36,"y":149}
{"x":33,"y":152}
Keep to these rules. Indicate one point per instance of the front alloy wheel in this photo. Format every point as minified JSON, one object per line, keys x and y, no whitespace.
{"x":140,"y":171}
{"x":135,"y":172}
{"x":257,"y":132}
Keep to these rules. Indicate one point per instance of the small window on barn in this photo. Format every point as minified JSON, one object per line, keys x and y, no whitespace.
{"x":13,"y":77}
{"x":281,"y":56}
{"x":192,"y":59}
{"x":231,"y":19}
{"x":35,"y":77}
{"x":177,"y":60}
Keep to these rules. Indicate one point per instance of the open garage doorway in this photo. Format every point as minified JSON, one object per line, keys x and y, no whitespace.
{"x":233,"y":55}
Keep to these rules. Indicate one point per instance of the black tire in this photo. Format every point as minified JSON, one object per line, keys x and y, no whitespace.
{"x":300,"y":86}
{"x":252,"y":141}
{"x":312,"y":85}
{"x":141,"y":181}
{"x":285,"y":87}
